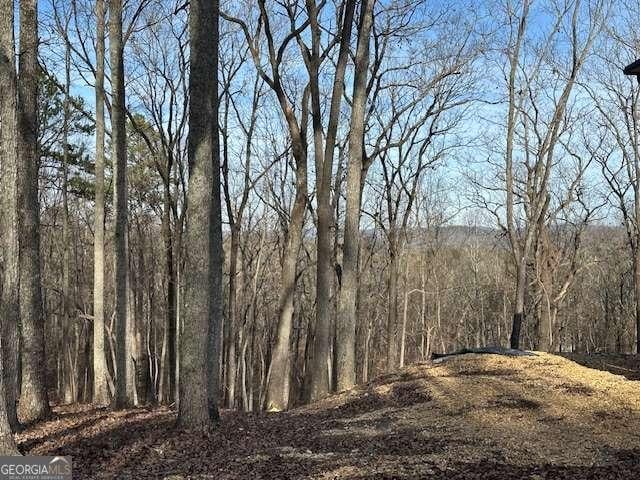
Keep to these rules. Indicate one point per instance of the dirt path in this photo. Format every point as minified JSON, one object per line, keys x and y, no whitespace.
{"x":473,"y":416}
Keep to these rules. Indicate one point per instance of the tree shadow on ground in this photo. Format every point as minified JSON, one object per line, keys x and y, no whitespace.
{"x":146,"y":445}
{"x":380,"y":430}
{"x":626,"y":365}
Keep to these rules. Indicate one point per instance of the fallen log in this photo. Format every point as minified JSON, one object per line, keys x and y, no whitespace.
{"x":510,"y":352}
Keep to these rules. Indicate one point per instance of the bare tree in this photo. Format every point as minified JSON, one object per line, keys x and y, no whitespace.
{"x":124,"y":374}
{"x":280,"y":368}
{"x":346,"y":320}
{"x":617,"y":146}
{"x":534,"y":128}
{"x":324,"y":150}
{"x":100,"y":370}
{"x":160,"y":53}
{"x":558,"y":260}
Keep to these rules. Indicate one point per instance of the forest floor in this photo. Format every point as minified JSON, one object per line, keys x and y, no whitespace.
{"x":468,"y":417}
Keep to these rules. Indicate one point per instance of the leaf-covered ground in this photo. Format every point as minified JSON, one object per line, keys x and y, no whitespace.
{"x":471,"y":416}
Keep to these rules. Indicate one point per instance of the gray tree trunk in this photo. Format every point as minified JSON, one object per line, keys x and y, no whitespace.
{"x":232,"y":318}
{"x":518,"y":312}
{"x":100,"y":369}
{"x":216,"y":250}
{"x":9,"y":296}
{"x":70,"y":380}
{"x":347,"y":314}
{"x":124,"y":377}
{"x":7,"y":442}
{"x":199,"y":352}
{"x":34,"y":401}
{"x":636,"y":288}
{"x":168,"y":379}
{"x":392,"y":315}
{"x":320,"y":382}
{"x":279,"y":377}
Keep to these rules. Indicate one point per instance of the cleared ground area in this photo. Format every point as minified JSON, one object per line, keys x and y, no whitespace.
{"x":469,"y":416}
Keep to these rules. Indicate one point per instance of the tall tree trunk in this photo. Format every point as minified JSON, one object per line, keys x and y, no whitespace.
{"x":179,"y":222}
{"x":34,"y":401}
{"x":232,"y":317}
{"x":199,"y":352}
{"x":546,"y":291}
{"x":320,"y":382}
{"x":168,"y":379}
{"x":69,"y":372}
{"x":100,"y":369}
{"x":131,"y":351}
{"x":216,"y":248}
{"x":141,"y":359}
{"x":347,"y":313}
{"x":123,"y":394}
{"x":9,"y":296}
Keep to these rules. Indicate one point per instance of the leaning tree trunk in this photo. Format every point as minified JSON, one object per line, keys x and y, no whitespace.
{"x":9,"y":295}
{"x":100,"y":369}
{"x":279,"y":377}
{"x":199,"y":338}
{"x":34,"y":401}
{"x":124,"y":375}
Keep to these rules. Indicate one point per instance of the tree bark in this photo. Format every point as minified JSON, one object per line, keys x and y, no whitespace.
{"x":347,"y":313}
{"x":141,"y":366}
{"x":546,"y":291}
{"x":636,"y":287}
{"x":320,"y":382}
{"x":392,"y":314}
{"x":34,"y":401}
{"x":69,"y":390}
{"x":199,"y":352}
{"x":100,"y":369}
{"x":7,"y":443}
{"x":9,"y":295}
{"x":232,"y":318}
{"x":168,"y":363}
{"x":216,"y":248}
{"x":123,"y":394}
{"x":279,"y":377}
{"x":518,"y":312}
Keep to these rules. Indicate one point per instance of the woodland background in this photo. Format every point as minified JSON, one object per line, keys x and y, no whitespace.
{"x":499,"y":169}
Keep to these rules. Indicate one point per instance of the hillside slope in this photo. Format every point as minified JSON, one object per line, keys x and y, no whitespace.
{"x":471,"y":416}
